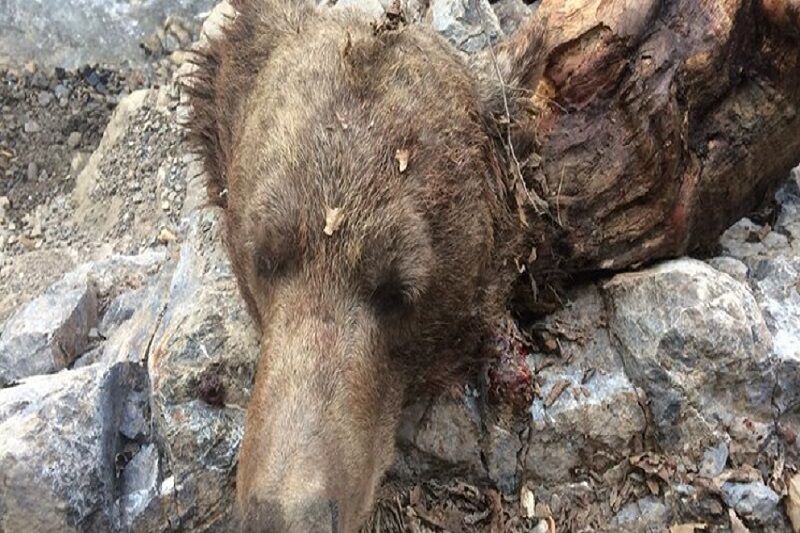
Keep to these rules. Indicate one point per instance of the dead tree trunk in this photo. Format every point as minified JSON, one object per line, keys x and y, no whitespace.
{"x":660,"y":123}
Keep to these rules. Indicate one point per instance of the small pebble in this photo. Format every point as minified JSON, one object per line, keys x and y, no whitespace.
{"x":33,"y":171}
{"x":45,"y":98}
{"x":32,"y":127}
{"x":74,"y":139}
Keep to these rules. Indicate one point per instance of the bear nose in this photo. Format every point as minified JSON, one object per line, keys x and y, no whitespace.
{"x":312,"y":515}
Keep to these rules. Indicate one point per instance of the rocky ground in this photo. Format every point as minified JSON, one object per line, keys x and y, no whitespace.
{"x":663,"y":399}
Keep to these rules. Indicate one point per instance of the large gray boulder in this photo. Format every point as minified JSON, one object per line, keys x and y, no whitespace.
{"x":58,"y":448}
{"x":695,"y":341}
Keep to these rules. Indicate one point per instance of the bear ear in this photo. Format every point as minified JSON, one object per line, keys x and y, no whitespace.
{"x":519,"y":60}
{"x":513,"y":68}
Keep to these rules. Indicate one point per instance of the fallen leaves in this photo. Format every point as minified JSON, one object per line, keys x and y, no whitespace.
{"x":556,"y":392}
{"x":793,"y":502}
{"x":333,"y":220}
{"x":165,"y":236}
{"x":402,"y":156}
{"x":527,"y":502}
{"x":737,"y":526}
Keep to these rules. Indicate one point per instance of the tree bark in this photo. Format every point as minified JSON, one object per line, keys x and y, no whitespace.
{"x":660,"y":123}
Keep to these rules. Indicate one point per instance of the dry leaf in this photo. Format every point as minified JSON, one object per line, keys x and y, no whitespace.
{"x":402,"y":156}
{"x":687,"y":528}
{"x":333,"y":219}
{"x":166,"y":236}
{"x":555,"y":392}
{"x":653,"y":486}
{"x":527,"y":502}
{"x":793,"y":502}
{"x":736,"y":524}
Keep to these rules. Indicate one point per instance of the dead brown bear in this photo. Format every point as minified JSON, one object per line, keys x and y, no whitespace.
{"x":362,"y":173}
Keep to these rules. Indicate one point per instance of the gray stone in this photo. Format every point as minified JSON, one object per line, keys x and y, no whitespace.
{"x":695,"y":341}
{"x":647,"y":515}
{"x":714,"y":460}
{"x":450,"y":432}
{"x":588,"y":410}
{"x":121,"y":309}
{"x":32,"y":126}
{"x":501,"y":450}
{"x":141,"y":473}
{"x":752,"y":501}
{"x":731,"y":266}
{"x":600,"y":419}
{"x":777,"y":288}
{"x":742,"y":240}
{"x":74,"y":139}
{"x":48,"y":333}
{"x":470,"y":25}
{"x":134,"y":422}
{"x":140,"y":486}
{"x":204,"y":328}
{"x":58,"y":448}
{"x":45,"y":98}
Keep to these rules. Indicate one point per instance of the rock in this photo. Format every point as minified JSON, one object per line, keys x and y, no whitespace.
{"x":5,"y":205}
{"x":599,"y":421}
{"x":45,"y":98}
{"x":742,"y":240}
{"x":74,"y":139}
{"x":32,"y":126}
{"x":777,"y":288}
{"x":647,"y":515}
{"x":730,"y":266}
{"x":501,"y":450}
{"x":695,"y":341}
{"x":135,"y":418}
{"x":450,"y":432}
{"x":754,"y":502}
{"x":470,"y":25}
{"x":33,"y":171}
{"x":714,"y":460}
{"x":165,"y":236}
{"x":204,"y":330}
{"x":58,"y":448}
{"x":588,"y":412}
{"x":48,"y":333}
{"x":140,"y":486}
{"x":120,"y":310}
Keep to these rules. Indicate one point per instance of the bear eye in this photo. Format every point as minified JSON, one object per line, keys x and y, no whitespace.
{"x":393,"y":298}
